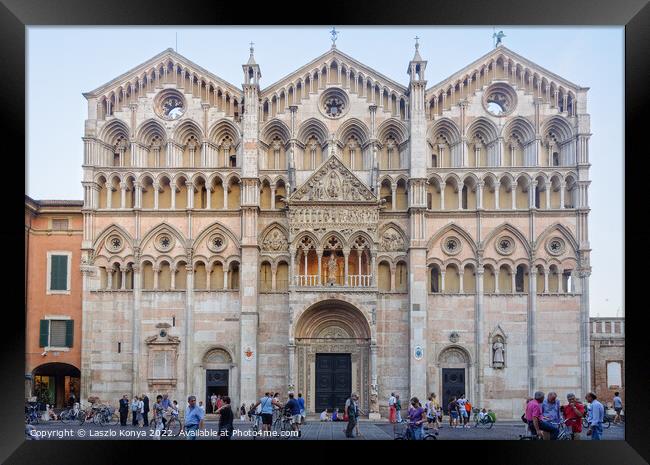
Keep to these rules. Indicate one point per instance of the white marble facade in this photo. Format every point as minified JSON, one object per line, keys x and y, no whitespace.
{"x":417,"y":228}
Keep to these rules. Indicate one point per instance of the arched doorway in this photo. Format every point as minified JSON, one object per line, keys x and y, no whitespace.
{"x":332,"y":355}
{"x":218,"y":376}
{"x":55,"y":384}
{"x":454,"y":379}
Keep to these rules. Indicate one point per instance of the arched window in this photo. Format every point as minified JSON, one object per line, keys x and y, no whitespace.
{"x":434,"y":160}
{"x":519,"y":279}
{"x":435,"y":279}
{"x":556,"y":159}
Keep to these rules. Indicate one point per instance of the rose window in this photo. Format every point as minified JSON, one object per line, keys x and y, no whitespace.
{"x":555,"y":246}
{"x":114,"y":243}
{"x":216,"y":243}
{"x":170,"y":105}
{"x":334,"y":107}
{"x":500,"y":100}
{"x":505,"y":245}
{"x":451,"y":245}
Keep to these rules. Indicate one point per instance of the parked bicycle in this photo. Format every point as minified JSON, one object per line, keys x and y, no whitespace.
{"x":485,"y":421}
{"x":32,"y":416}
{"x":564,"y":431}
{"x":71,"y":415}
{"x":607,"y":421}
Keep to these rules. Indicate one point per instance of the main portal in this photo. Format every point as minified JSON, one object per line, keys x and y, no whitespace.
{"x":333,"y":381}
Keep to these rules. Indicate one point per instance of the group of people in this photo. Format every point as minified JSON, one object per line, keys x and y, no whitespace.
{"x":269,"y":407}
{"x":544,"y":414}
{"x":140,"y":408}
{"x":459,"y":411}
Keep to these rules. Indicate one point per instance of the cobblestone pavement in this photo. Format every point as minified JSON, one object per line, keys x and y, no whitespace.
{"x":313,"y":430}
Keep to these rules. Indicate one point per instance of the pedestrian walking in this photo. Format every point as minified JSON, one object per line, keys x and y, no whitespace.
{"x":618,"y":407}
{"x":267,"y":404}
{"x":219,"y":402}
{"x":431,"y":408}
{"x":166,"y":404}
{"x":145,"y":399}
{"x":213,"y":402}
{"x":135,"y":409}
{"x":398,"y":408}
{"x":226,"y":418}
{"x":193,"y":418}
{"x":301,"y":402}
{"x":124,"y":409}
{"x":202,"y":407}
{"x":157,"y":419}
{"x":417,"y":417}
{"x":242,"y":412}
{"x":351,"y":410}
{"x":462,"y":411}
{"x":452,"y":408}
{"x":392,"y":412}
{"x":595,"y":418}
{"x":573,"y":413}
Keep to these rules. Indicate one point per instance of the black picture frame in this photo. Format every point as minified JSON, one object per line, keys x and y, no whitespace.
{"x":16,"y":15}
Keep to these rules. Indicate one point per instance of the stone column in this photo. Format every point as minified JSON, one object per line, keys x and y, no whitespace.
{"x":123,"y":283}
{"x":273,"y":278}
{"x":135,"y":329}
{"x":273,"y":197}
{"x":513,"y":285}
{"x":442,"y":281}
{"x":109,"y":278}
{"x":292,"y":365}
{"x":585,"y":354}
{"x":479,"y":195}
{"x":546,"y":272}
{"x":461,"y":277}
{"x":173,"y":272}
{"x":513,"y":195}
{"x":123,"y":195}
{"x":562,"y":188}
{"x":478,"y":339}
{"x":392,"y":278}
{"x":225,"y":278}
{"x":346,"y":254}
{"x":460,"y":197}
{"x":497,"y":188}
{"x":156,"y":270}
{"x":532,"y":315}
{"x":319,"y":252}
{"x":547,"y":191}
{"x":393,"y":187}
{"x":189,"y":328}
{"x":156,"y":188}
{"x":497,"y":271}
{"x":373,"y":270}
{"x":442,"y":195}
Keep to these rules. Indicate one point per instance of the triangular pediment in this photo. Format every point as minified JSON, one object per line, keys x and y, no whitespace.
{"x":162,"y":59}
{"x":326,"y":59}
{"x":500,"y":52}
{"x":333,"y":182}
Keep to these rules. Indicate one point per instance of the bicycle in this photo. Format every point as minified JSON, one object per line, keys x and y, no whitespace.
{"x":172,"y":427}
{"x":486,"y":421}
{"x":282,"y":423}
{"x":72,"y":414}
{"x":564,"y":432}
{"x":607,"y":421}
{"x":31,"y":415}
{"x":407,"y":433}
{"x":106,"y":415}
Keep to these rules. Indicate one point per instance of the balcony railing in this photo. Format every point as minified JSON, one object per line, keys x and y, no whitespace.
{"x":353,"y":281}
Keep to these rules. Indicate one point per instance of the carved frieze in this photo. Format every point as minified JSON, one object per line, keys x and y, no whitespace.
{"x":392,"y":241}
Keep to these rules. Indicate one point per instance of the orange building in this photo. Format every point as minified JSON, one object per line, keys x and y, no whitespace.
{"x":53,"y":233}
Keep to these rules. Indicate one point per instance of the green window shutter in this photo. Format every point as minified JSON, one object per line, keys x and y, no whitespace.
{"x":45,"y":333}
{"x":69,"y":331}
{"x":59,"y":273}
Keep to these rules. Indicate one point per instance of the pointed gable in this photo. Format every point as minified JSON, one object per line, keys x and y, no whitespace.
{"x":162,"y":59}
{"x":341,"y":59}
{"x":501,"y":53}
{"x":333,"y":182}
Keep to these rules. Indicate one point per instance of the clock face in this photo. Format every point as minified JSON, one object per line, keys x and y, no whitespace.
{"x":172,"y":107}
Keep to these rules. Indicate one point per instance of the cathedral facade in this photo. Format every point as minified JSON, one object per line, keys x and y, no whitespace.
{"x":336,"y":232}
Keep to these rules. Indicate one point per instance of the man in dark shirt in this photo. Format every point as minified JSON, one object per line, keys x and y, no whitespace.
{"x":226,"y":418}
{"x":293,"y":408}
{"x":124,"y":409}
{"x":145,"y":413}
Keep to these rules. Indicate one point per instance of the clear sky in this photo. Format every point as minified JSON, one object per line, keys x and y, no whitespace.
{"x":63,"y":62}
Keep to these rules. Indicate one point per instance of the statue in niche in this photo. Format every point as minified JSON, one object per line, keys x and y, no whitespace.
{"x":332,"y":269}
{"x":498,"y":353}
{"x":374,"y":406}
